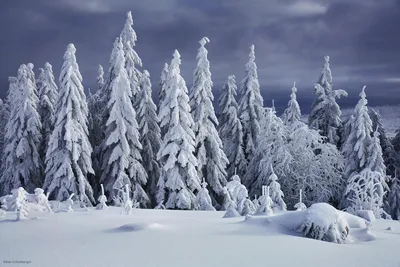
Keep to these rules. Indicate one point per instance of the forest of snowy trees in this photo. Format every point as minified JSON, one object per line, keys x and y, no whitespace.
{"x":182,"y":154}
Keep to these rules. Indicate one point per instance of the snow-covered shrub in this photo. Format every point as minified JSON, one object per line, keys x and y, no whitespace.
{"x":203,"y":199}
{"x":6,"y":203}
{"x":278,"y":204}
{"x":102,"y":200}
{"x":229,"y":205}
{"x":324,"y":222}
{"x":248,"y":207}
{"x":238,"y":193}
{"x":42,"y":200}
{"x":265,"y":204}
{"x":256,"y":203}
{"x":365,"y":191}
{"x":366,"y":214}
{"x":128,"y":204}
{"x":69,"y":203}
{"x":300,"y":205}
{"x":20,"y":203}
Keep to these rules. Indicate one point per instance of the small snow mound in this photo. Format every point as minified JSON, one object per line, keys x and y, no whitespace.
{"x":324,"y":222}
{"x":366,"y":214}
{"x":130,"y":227}
{"x":389,"y":228}
{"x":231,"y":213}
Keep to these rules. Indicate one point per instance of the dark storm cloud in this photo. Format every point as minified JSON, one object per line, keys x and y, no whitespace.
{"x":291,"y":38}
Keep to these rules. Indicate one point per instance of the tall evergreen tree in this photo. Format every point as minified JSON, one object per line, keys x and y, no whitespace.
{"x":390,"y":156}
{"x":356,"y":149}
{"x":211,"y":158}
{"x":132,"y":59}
{"x":179,"y":179}
{"x":68,"y":160}
{"x":250,"y":106}
{"x":121,"y":160}
{"x":325,"y":114}
{"x":21,"y":162}
{"x":292,"y":113}
{"x":393,"y":199}
{"x":150,"y":136}
{"x":231,"y":129}
{"x":4,"y":115}
{"x":48,"y":93}
{"x":375,"y":155}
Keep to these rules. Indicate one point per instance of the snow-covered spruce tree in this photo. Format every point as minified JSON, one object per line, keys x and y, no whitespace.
{"x":203,"y":199}
{"x":48,"y":93}
{"x":179,"y":179}
{"x":278,"y":204}
{"x":325,"y":114}
{"x":121,"y":159}
{"x":393,"y":199}
{"x":68,"y":159}
{"x":230,"y":129}
{"x":132,"y":59}
{"x":21,"y":162}
{"x":211,"y":159}
{"x":365,"y":191}
{"x":344,"y":131}
{"x":271,"y":149}
{"x":300,"y":205}
{"x":161,"y":92}
{"x":355,"y":149}
{"x":250,"y":107}
{"x":150,"y":136}
{"x":265,"y":204}
{"x":292,"y":114}
{"x":239,"y":194}
{"x":390,"y":156}
{"x":102,"y":200}
{"x":375,"y":156}
{"x":19,"y":200}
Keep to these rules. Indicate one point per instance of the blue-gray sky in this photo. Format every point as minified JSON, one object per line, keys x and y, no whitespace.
{"x":291,"y":38}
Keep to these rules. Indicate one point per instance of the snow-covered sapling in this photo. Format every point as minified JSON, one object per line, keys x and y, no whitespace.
{"x":278,"y":204}
{"x":265,"y":202}
{"x":256,"y":203}
{"x":229,"y":205}
{"x":300,"y":205}
{"x":128,"y":204}
{"x":42,"y":199}
{"x":69,"y":203}
{"x":203,"y":199}
{"x":248,"y":207}
{"x":21,"y":204}
{"x":102,"y":200}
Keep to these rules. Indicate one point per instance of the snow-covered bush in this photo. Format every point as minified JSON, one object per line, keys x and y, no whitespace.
{"x":265,"y":204}
{"x":42,"y":199}
{"x":247,"y":207}
{"x":324,"y":222}
{"x":128,"y":204}
{"x":69,"y":203}
{"x":256,"y":203}
{"x":203,"y":199}
{"x":229,"y":205}
{"x":102,"y":200}
{"x":365,"y":191}
{"x":278,"y":204}
{"x":238,"y":193}
{"x":300,"y":205}
{"x":19,"y":200}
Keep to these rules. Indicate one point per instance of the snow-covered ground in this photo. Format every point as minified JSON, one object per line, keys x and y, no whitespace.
{"x":185,"y":238}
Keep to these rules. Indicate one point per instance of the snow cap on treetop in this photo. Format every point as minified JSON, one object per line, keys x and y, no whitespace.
{"x":41,"y":72}
{"x":129,"y":19}
{"x":252,"y":54}
{"x":231,"y":78}
{"x":71,"y":48}
{"x":236,"y":178}
{"x":204,"y":40}
{"x":273,"y":176}
{"x":30,"y":66}
{"x":362,"y":94}
{"x":48,"y":66}
{"x":326,"y":59}
{"x":22,"y":70}
{"x":146,"y":73}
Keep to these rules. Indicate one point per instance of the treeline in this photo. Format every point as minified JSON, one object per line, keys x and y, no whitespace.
{"x":55,"y":137}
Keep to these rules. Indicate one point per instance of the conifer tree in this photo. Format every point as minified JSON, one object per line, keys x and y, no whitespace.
{"x":292,"y":114}
{"x":231,"y":129}
{"x":68,"y":160}
{"x":161,"y":92}
{"x":325,"y":114}
{"x":4,"y":115}
{"x":132,"y":59}
{"x":355,"y":149}
{"x":278,"y":204}
{"x":179,"y":178}
{"x":21,"y":162}
{"x":121,"y":159}
{"x":48,"y":93}
{"x":390,"y":156}
{"x":250,"y":106}
{"x":375,"y":157}
{"x":393,"y":200}
{"x":150,"y":136}
{"x":211,"y":158}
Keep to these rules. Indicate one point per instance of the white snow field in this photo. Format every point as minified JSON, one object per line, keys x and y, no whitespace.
{"x":186,"y":238}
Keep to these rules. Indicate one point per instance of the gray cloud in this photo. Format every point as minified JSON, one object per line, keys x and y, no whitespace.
{"x":291,"y":38}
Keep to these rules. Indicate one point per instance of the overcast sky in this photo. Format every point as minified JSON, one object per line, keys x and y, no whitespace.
{"x":291,"y":37}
